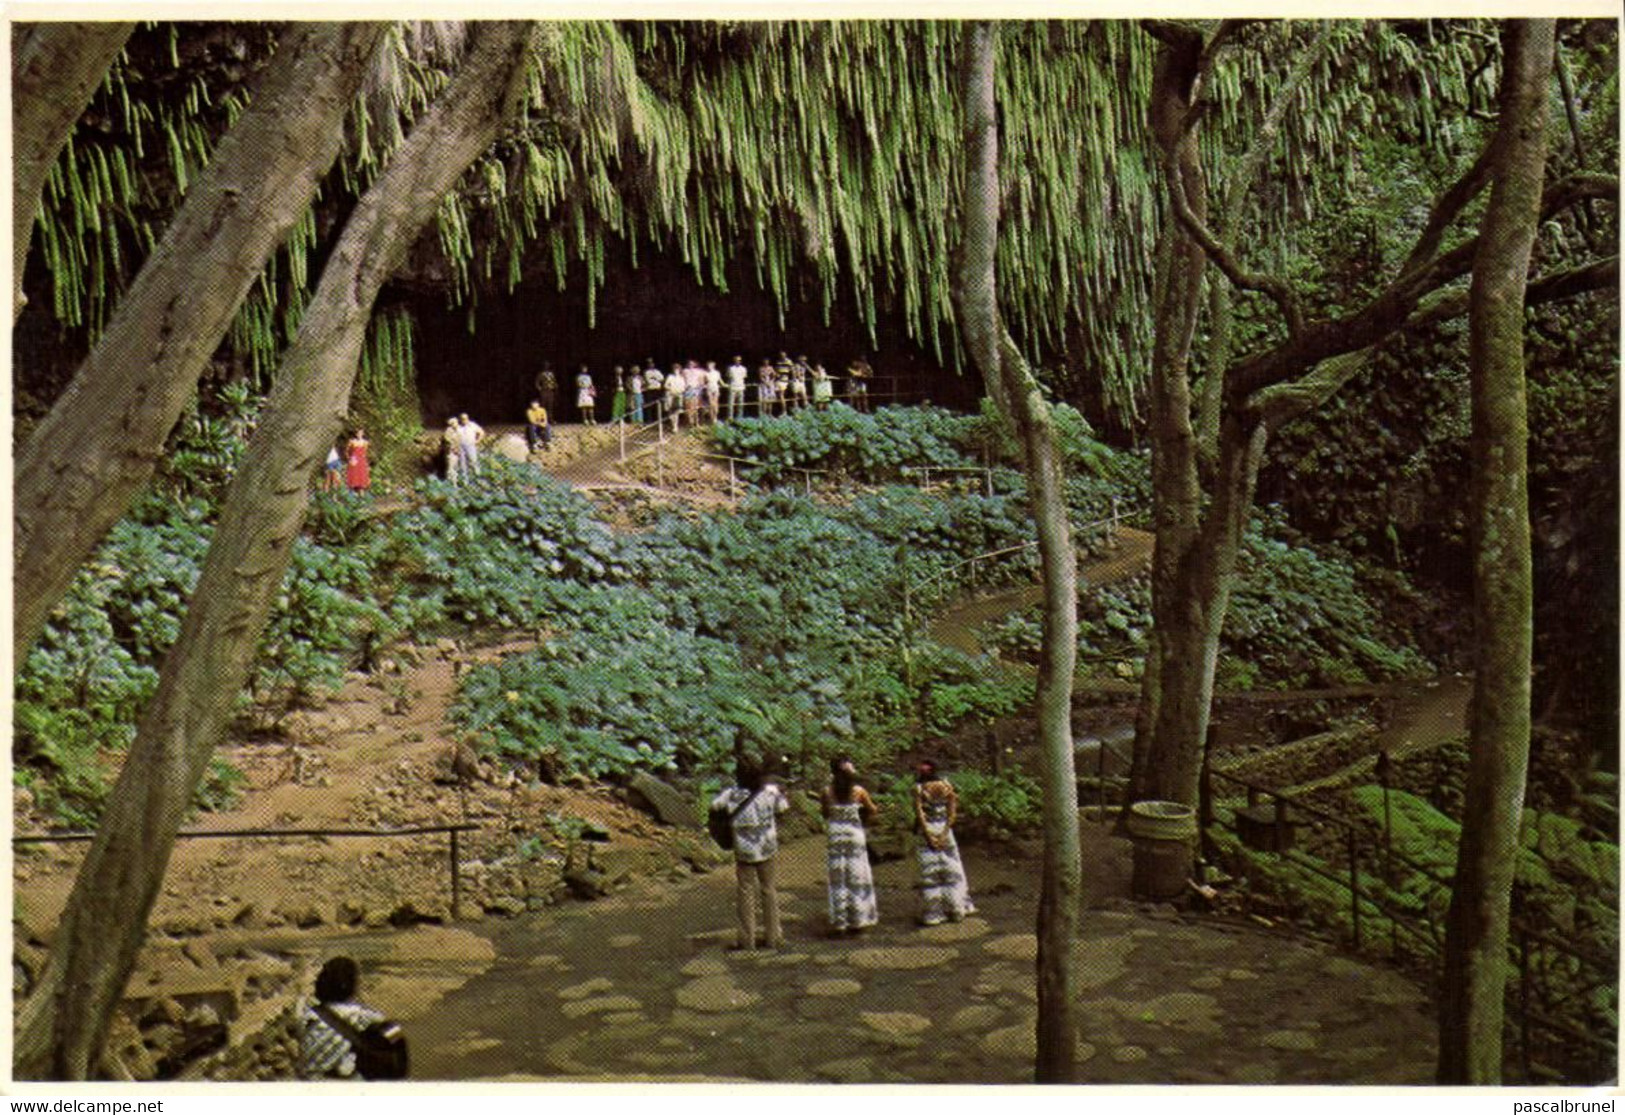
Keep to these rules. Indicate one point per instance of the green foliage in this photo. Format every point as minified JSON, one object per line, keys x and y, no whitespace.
{"x":1302,"y":617}
{"x":869,"y":447}
{"x":998,"y":805}
{"x":497,"y":549}
{"x":221,"y":788}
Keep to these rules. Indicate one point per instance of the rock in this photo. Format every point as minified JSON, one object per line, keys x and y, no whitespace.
{"x":972,"y":1018}
{"x":896,"y":1023}
{"x":902,"y":958}
{"x":624,"y":940}
{"x":1015,"y":946}
{"x":349,"y":912}
{"x":1129,"y":1054}
{"x":603,"y":1004}
{"x":704,"y":966}
{"x":202,"y":1017}
{"x":200,"y":954}
{"x":665,"y":801}
{"x":848,"y":1070}
{"x":506,"y":905}
{"x":1016,"y":1043}
{"x":832,"y":988}
{"x":1299,"y":1041}
{"x":715,"y":995}
{"x":583,"y":990}
{"x":511,"y":446}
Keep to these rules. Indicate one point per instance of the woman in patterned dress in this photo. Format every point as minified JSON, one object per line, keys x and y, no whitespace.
{"x":944,"y":892}
{"x":847,"y":809}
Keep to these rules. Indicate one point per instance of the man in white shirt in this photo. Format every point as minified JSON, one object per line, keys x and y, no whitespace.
{"x":754,"y":806}
{"x":713,"y":389}
{"x":469,"y":433}
{"x":736,"y":389}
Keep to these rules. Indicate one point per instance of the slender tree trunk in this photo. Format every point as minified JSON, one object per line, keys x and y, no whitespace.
{"x":64,"y":1025}
{"x":55,"y":67}
{"x":86,"y":461}
{"x":1475,"y":965}
{"x":1190,"y":646}
{"x":1016,"y":393}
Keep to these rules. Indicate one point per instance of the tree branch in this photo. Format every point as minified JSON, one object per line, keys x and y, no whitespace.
{"x":1391,"y":309}
{"x":1277,"y":290}
{"x":1282,"y":402}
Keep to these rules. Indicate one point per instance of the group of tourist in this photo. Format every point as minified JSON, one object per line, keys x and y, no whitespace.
{"x":342,"y":1038}
{"x":353,"y":462}
{"x":694,"y":392}
{"x":753,"y":807}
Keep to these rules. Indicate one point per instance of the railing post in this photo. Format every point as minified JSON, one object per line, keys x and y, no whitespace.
{"x":1354,"y":885}
{"x":987,"y":482}
{"x":1204,"y":818}
{"x":1384,"y":779}
{"x":733,"y":489}
{"x":660,"y":464}
{"x":456,"y":880}
{"x":1523,"y":1001}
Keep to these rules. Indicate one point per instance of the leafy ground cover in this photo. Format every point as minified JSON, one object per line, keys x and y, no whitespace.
{"x":789,"y":625}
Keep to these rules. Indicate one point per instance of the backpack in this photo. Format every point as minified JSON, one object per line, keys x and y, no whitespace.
{"x":720,"y":822}
{"x":380,"y":1047}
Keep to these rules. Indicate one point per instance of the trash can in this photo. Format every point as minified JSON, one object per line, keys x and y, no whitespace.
{"x":1164,"y":838}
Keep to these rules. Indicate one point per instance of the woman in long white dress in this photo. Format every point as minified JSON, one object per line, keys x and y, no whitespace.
{"x":945,"y":895}
{"x":847,"y":809}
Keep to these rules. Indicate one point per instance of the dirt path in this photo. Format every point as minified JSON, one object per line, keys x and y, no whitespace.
{"x":641,"y":986}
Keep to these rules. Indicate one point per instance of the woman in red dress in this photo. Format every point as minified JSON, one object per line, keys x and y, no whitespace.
{"x":357,"y":473}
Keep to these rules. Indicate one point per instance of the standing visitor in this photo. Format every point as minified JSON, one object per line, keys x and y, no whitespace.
{"x":547,"y":388}
{"x":754,"y":807}
{"x":823,"y":388}
{"x":675,"y":385}
{"x":798,"y":381}
{"x":537,"y":429}
{"x":767,"y":389}
{"x":358,"y":473}
{"x":693,"y":386}
{"x":324,"y":1052}
{"x":945,"y":895}
{"x":713,"y":390}
{"x":330,"y":478}
{"x":634,"y":388}
{"x":586,"y":398}
{"x":736,"y":389}
{"x":452,"y":442}
{"x":858,"y":374}
{"x":617,"y":404}
{"x":469,"y":433}
{"x":783,"y":369}
{"x":848,"y":808}
{"x":654,"y":385}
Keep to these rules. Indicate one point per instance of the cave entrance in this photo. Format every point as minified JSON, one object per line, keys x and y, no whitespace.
{"x":659,"y":310}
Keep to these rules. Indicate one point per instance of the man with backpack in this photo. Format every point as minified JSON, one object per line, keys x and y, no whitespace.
{"x":745,"y":817}
{"x":341,"y":1038}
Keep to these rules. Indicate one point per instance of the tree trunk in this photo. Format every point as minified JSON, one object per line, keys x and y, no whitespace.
{"x":1016,"y":393}
{"x":1175,"y":481}
{"x":1190,"y":646}
{"x":85,"y":463}
{"x":1475,"y":965}
{"x":63,"y":1026}
{"x":55,"y":67}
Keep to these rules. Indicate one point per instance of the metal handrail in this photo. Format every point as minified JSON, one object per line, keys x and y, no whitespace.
{"x":454,"y":854}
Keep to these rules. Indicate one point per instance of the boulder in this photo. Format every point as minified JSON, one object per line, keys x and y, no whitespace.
{"x":511,"y":446}
{"x":665,"y":801}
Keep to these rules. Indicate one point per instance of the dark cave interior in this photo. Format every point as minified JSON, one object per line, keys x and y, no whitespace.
{"x":658,"y":310}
